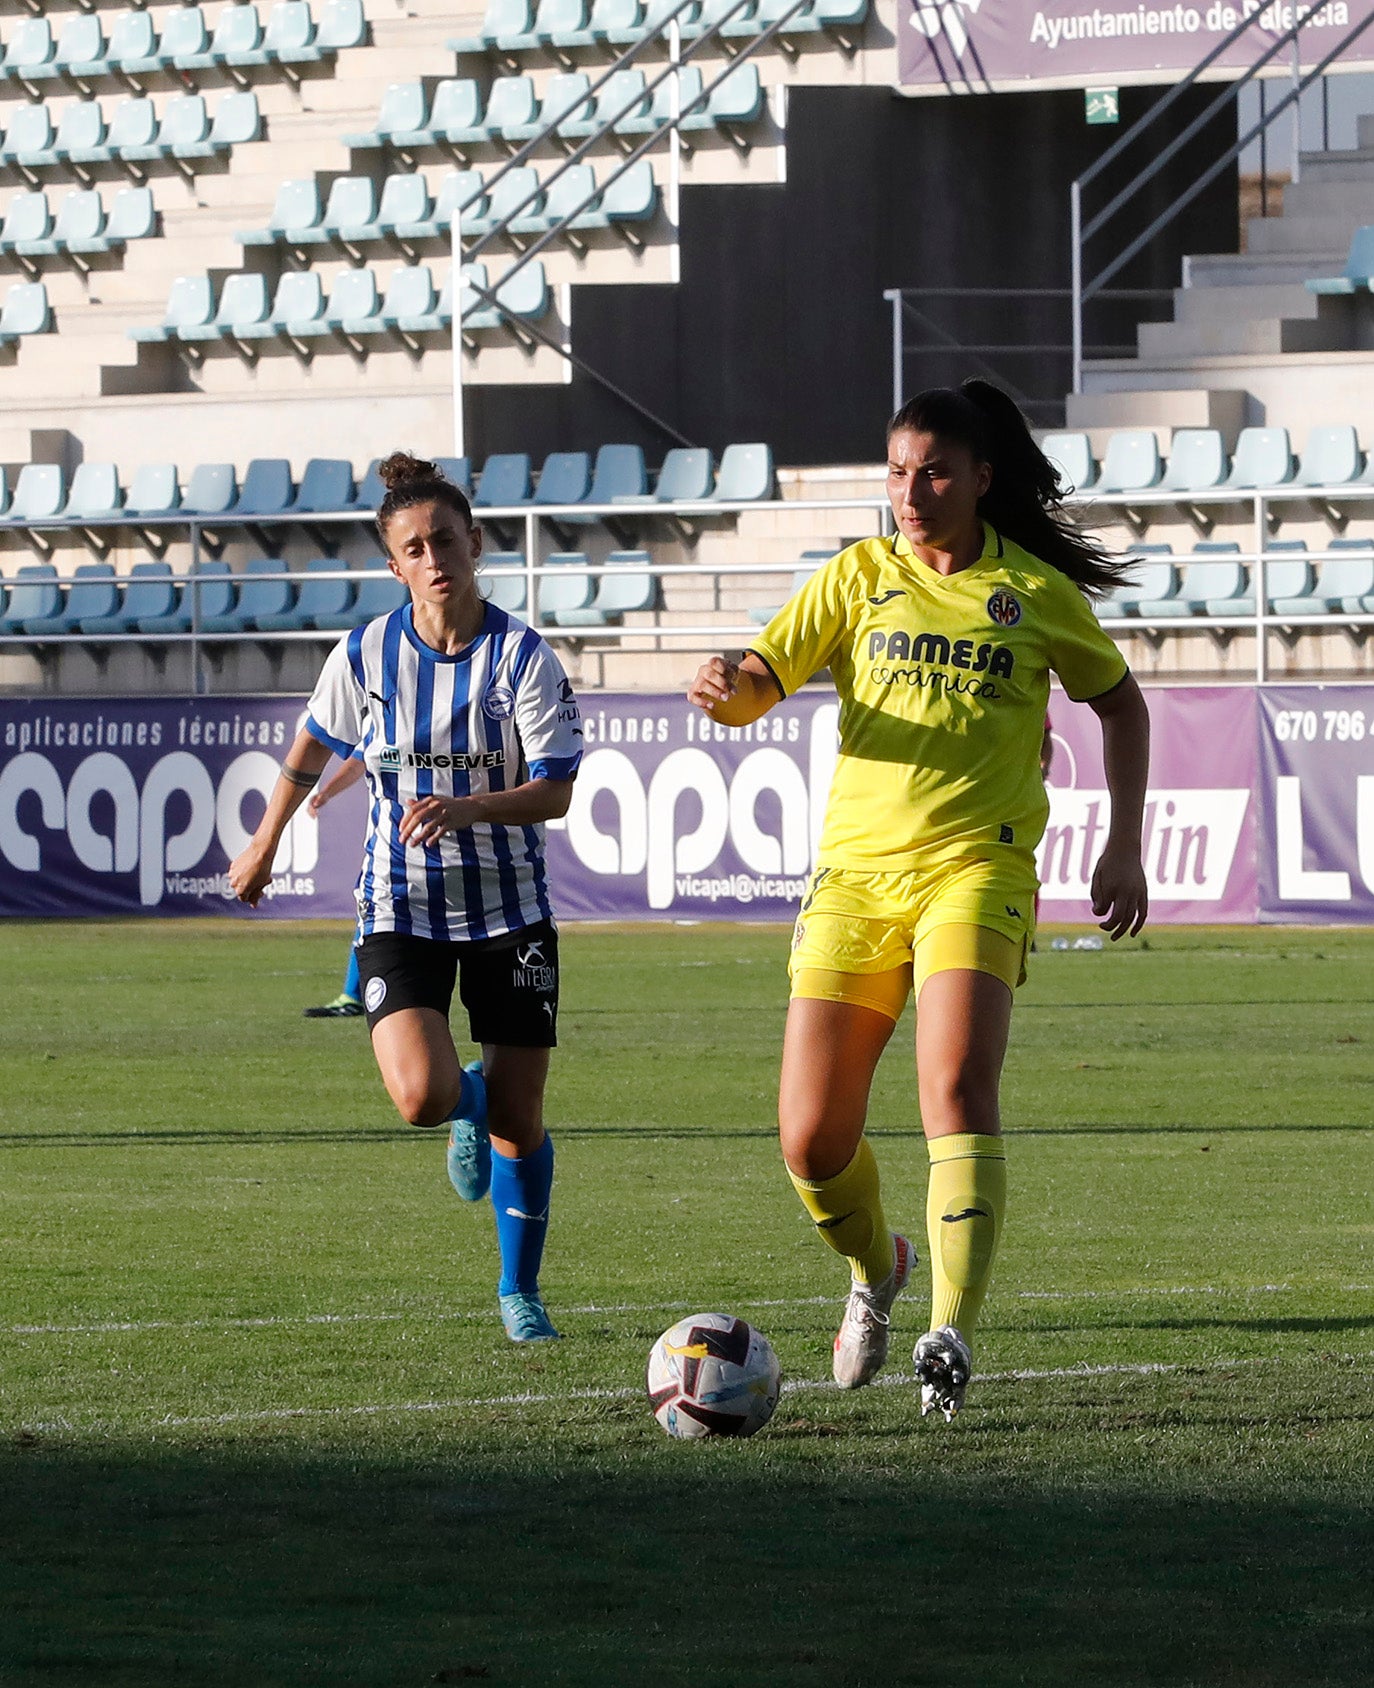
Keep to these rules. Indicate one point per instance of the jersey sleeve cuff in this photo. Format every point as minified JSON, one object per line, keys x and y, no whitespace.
{"x":316,"y":731}
{"x":753,"y":650}
{"x":1102,"y":691}
{"x":555,"y":767}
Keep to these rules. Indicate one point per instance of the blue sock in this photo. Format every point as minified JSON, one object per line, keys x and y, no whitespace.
{"x":520,"y":1197}
{"x":353,"y":984}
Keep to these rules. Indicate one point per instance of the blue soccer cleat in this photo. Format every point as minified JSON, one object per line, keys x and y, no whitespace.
{"x":469,"y":1146}
{"x":525,"y":1319}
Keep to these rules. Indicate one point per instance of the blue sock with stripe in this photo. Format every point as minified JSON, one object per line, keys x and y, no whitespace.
{"x":353,"y":983}
{"x":520,"y":1198}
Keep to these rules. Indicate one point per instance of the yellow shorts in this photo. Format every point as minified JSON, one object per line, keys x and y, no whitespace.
{"x":867,"y":938}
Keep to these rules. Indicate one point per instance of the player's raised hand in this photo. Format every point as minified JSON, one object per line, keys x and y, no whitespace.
{"x":716,"y":682}
{"x":1120,"y":895}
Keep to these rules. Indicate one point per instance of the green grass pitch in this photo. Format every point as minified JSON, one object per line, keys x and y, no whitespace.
{"x":259,"y":1426}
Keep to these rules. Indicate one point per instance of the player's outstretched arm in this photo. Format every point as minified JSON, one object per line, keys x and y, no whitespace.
{"x":734,"y":693}
{"x":250,"y":872}
{"x":1120,"y":897}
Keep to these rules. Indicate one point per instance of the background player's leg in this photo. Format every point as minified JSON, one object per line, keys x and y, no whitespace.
{"x":521,"y":1181}
{"x":963,"y":1018}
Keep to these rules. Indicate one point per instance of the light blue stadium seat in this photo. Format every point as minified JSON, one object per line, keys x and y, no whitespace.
{"x":297,"y":307}
{"x":1131,"y":462}
{"x":439,"y":316}
{"x":1264,"y":458}
{"x":92,"y":593}
{"x":458,"y":188}
{"x":183,"y":34}
{"x":651,"y":20}
{"x":685,"y":476}
{"x":736,"y":99}
{"x":243,"y":304}
{"x":410,"y":296}
{"x":516,"y":194}
{"x":190,"y":303}
{"x":296,"y":215}
{"x":212,"y":490}
{"x":29,"y":137}
{"x":147,"y":594}
{"x":25,"y":311}
{"x":28,"y":222}
{"x":404,"y":201}
{"x":258,"y":595}
{"x":133,"y":43}
{"x":1345,"y":581}
{"x":575,"y":184}
{"x":1288,"y":574}
{"x":354,"y":306}
{"x":506,"y":590}
{"x":1197,"y":461}
{"x":81,"y":49}
{"x":29,"y":50}
{"x":711,"y":14}
{"x":94,"y":494}
{"x":1154,"y":579}
{"x":133,"y":216}
{"x":289,"y":35}
{"x":267,"y":489}
{"x":238,"y":29}
{"x":39,"y":494}
{"x":456,"y":119}
{"x":566,"y":478}
{"x":133,"y":127}
{"x":326,"y":486}
{"x":745,"y":474}
{"x":1331,"y":457}
{"x":79,"y":225}
{"x":404,"y":109}
{"x":512,"y":107}
{"x":617,"y":475}
{"x":1211,"y":584}
{"x":352,"y":205}
{"x":1072,"y":456}
{"x":840,"y":18}
{"x":1359,"y":267}
{"x":185,"y":124}
{"x":565,"y":97}
{"x":319,"y":601}
{"x":371,"y":489}
{"x":153,"y":491}
{"x":512,"y":19}
{"x":621,"y":97}
{"x":81,"y":134}
{"x":659,"y":112}
{"x":34,"y":596}
{"x":608,"y":19}
{"x":563,"y":23}
{"x":209,"y":592}
{"x":525,"y":295}
{"x":343,"y":23}
{"x":631,"y":197}
{"x":504,"y":481}
{"x":237,"y":121}
{"x":631,"y":588}
{"x":569,"y":588}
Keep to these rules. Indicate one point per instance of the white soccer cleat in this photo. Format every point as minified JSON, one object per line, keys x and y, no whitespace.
{"x":861,"y":1346}
{"x":943,"y":1368}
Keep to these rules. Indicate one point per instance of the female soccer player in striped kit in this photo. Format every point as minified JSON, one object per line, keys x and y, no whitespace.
{"x":940,"y":641}
{"x":470,"y":737}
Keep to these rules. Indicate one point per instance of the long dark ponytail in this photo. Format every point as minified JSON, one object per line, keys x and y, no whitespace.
{"x":1025,"y":500}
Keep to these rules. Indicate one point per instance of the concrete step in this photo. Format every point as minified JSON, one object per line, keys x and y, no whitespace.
{"x":1199,"y":307}
{"x":1301,"y":235}
{"x":1164,"y":409}
{"x":1255,"y":336}
{"x":1319,"y":197}
{"x":1353,"y":165}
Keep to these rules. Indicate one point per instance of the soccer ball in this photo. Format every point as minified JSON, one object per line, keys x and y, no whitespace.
{"x":713,"y":1375}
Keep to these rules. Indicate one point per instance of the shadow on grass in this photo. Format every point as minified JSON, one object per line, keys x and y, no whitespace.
{"x":717,"y":1568}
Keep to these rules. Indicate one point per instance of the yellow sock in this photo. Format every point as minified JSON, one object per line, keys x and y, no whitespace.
{"x":964,"y":1208}
{"x":848,"y":1211}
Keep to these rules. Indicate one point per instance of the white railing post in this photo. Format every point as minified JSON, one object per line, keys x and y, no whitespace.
{"x":456,"y":286}
{"x":1076,"y":270}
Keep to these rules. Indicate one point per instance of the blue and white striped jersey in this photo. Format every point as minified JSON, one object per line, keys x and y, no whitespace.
{"x":425,"y":724}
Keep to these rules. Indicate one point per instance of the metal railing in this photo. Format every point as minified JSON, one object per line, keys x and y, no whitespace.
{"x":1086,"y":288}
{"x":665,"y":629}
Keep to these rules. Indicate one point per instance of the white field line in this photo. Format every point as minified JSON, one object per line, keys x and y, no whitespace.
{"x":603,"y":1309}
{"x":533,"y":1398}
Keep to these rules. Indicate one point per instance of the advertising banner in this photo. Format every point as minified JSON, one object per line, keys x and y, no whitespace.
{"x":1317,"y":779}
{"x":138,"y":805}
{"x":962,"y":45}
{"x":1200,"y":817}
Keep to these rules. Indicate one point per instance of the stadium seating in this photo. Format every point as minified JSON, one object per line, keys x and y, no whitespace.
{"x":504,"y":481}
{"x":147,"y":594}
{"x":208,"y":592}
{"x":1154,"y":579}
{"x":137,"y":133}
{"x":501,"y":586}
{"x":1331,"y":457}
{"x":259,"y":594}
{"x":1072,"y":456}
{"x":321,"y":603}
{"x":628,"y":586}
{"x":1131,"y":462}
{"x":1264,"y":458}
{"x":1211,"y":584}
{"x":1343,"y":583}
{"x":745,"y":475}
{"x":80,"y":228}
{"x":1197,"y":461}
{"x":569,"y":587}
{"x":34,"y":594}
{"x":92,"y":594}
{"x":39,"y":494}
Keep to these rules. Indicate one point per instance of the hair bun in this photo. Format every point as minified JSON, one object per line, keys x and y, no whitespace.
{"x":401,"y":470}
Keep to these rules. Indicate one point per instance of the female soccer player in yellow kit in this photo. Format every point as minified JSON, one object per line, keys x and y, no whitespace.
{"x":940,"y":641}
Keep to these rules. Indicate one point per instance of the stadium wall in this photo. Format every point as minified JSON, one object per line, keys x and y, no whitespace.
{"x":1260,"y":808}
{"x":779,"y":329}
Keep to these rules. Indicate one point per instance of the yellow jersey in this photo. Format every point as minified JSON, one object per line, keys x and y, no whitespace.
{"x":943,"y":683}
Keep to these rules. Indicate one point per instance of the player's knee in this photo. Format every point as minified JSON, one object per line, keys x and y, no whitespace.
{"x":812,"y":1151}
{"x":420,"y":1104}
{"x":961,"y":1097}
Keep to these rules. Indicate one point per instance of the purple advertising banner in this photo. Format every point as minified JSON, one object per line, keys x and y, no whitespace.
{"x":138,"y":805}
{"x":1261,"y":805}
{"x":962,"y":45}
{"x":1200,"y":816}
{"x":1317,"y":776}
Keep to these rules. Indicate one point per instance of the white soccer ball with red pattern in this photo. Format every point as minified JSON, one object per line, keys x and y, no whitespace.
{"x":713,"y":1375}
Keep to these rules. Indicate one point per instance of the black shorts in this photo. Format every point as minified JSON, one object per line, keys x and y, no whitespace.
{"x":509,"y":985}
